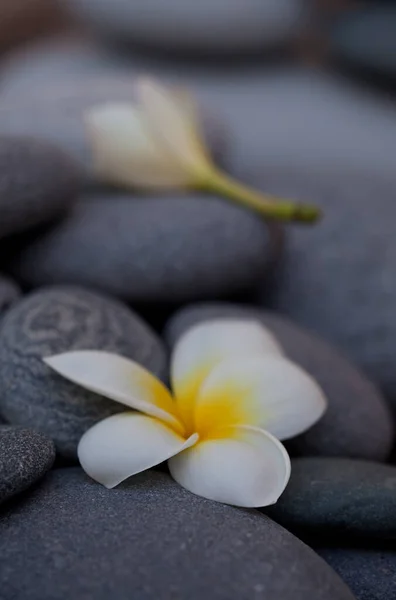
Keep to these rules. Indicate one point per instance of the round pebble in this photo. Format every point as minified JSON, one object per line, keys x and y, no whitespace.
{"x":25,"y":457}
{"x":328,"y":496}
{"x":357,"y":422}
{"x":157,"y":249}
{"x":55,"y":111}
{"x":9,"y":293}
{"x":60,"y":319}
{"x":150,"y":538}
{"x":370,"y":573}
{"x":366,"y":39}
{"x":206,"y":27}
{"x":38,"y":182}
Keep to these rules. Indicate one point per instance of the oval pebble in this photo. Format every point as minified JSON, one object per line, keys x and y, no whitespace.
{"x":60,"y":319}
{"x":38,"y":182}
{"x":25,"y":457}
{"x":156,"y":249}
{"x":328,"y":496}
{"x":206,"y":27}
{"x":150,"y":538}
{"x":357,"y":422}
{"x":369,"y":572}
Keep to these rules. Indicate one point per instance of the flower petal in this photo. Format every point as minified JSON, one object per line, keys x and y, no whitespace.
{"x":174,"y":126}
{"x":249,"y":468}
{"x":119,"y":379}
{"x":125,"y":444}
{"x":125,"y":152}
{"x":206,"y":345}
{"x":263,"y":391}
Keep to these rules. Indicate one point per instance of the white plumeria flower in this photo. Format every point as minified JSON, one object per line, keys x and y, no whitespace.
{"x":235,"y":395}
{"x":156,"y":143}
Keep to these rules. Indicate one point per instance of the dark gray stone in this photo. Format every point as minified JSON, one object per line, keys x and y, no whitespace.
{"x":55,"y":320}
{"x":209,"y":26}
{"x":370,"y":573}
{"x":339,"y":496}
{"x":172,"y":249}
{"x":9,"y":292}
{"x":54,"y":111}
{"x":149,"y":539}
{"x":366,"y":39}
{"x":37,"y":183}
{"x":357,"y":422}
{"x":25,"y":457}
{"x":285,"y":116}
{"x":338,"y":277}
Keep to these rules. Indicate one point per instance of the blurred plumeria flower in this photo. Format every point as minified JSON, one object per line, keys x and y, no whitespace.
{"x":234,"y":396}
{"x":157,"y":144}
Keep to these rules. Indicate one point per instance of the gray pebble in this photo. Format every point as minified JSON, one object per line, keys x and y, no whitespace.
{"x":25,"y":457}
{"x":357,"y":422}
{"x":285,"y":116}
{"x":370,"y":573}
{"x":37,"y":183}
{"x":172,"y":249}
{"x":9,"y":293}
{"x":55,"y":111}
{"x":327,"y":496}
{"x":150,"y":538}
{"x":60,"y":319}
{"x":206,"y":27}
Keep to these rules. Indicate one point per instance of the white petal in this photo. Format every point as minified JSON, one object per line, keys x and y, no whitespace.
{"x":269,"y":392}
{"x":172,"y":124}
{"x":125,"y":152}
{"x":206,"y":345}
{"x":126,"y":444}
{"x":250,"y":468}
{"x":119,"y":379}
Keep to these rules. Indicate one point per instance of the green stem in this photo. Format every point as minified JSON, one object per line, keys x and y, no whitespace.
{"x":269,"y":206}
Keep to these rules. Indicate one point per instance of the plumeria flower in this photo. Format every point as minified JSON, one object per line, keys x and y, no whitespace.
{"x":235,"y":395}
{"x":157,"y":144}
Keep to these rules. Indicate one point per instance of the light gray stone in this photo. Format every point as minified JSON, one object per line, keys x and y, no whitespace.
{"x":357,"y":422}
{"x":25,"y":457}
{"x":150,"y":538}
{"x":157,"y":249}
{"x":60,"y":319}
{"x":206,"y":27}
{"x":38,"y":182}
{"x":339,"y":496}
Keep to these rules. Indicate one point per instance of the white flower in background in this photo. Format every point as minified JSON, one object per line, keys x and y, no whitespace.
{"x":234,"y":396}
{"x":157,"y":144}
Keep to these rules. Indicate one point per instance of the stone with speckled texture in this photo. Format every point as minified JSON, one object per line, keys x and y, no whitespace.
{"x":60,"y":319}
{"x":25,"y":457}
{"x":149,"y":538}
{"x":357,"y":422}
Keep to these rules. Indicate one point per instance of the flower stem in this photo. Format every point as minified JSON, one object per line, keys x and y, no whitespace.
{"x":269,"y":206}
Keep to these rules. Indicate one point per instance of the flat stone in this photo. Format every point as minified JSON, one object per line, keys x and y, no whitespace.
{"x":286,"y":115}
{"x":206,"y":27}
{"x":370,"y":573}
{"x":357,"y":422}
{"x":149,"y":538}
{"x":55,"y":111}
{"x":25,"y":457}
{"x":9,"y":293}
{"x":366,"y":39}
{"x":60,"y":319}
{"x":339,"y":496}
{"x":168,"y":249}
{"x":38,"y":182}
{"x":337,"y":278}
